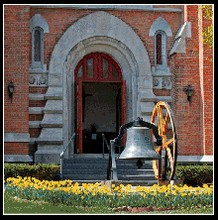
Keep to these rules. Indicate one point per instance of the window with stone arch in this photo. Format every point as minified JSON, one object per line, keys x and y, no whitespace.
{"x":38,"y":28}
{"x":160,"y":31}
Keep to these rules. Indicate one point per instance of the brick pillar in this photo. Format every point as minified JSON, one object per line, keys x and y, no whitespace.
{"x":187,"y":69}
{"x":16,"y":68}
{"x":207,"y":90}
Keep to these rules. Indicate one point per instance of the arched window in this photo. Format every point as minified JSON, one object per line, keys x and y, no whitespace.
{"x":160,"y":49}
{"x":160,"y":31}
{"x":38,"y":27}
{"x":37,"y":45}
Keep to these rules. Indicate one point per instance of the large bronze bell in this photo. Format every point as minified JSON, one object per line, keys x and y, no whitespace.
{"x":139,"y":142}
{"x":139,"y":145}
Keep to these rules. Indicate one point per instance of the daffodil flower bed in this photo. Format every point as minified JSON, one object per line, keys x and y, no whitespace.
{"x":96,"y":194}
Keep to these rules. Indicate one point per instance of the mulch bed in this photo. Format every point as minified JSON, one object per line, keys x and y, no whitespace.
{"x":140,"y":209}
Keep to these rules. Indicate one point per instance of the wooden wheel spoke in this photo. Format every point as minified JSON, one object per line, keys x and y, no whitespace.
{"x":166,"y":144}
{"x":169,"y":155}
{"x":155,"y":168}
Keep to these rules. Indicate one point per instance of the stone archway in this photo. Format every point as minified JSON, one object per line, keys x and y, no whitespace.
{"x":100,"y":32}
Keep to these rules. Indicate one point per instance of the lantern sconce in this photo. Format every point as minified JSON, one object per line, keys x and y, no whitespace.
{"x":189,"y":92}
{"x":11,"y":89}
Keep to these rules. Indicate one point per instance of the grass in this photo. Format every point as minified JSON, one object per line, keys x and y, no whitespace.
{"x":14,"y":205}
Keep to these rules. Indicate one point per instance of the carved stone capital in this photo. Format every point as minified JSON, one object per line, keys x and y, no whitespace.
{"x":162,"y":82}
{"x":38,"y":79}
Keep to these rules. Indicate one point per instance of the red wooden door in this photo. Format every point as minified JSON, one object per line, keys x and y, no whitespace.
{"x":123,"y":106}
{"x":79,"y":115}
{"x":123,"y":102}
{"x":96,"y":67}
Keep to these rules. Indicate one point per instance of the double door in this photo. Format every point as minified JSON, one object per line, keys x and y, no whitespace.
{"x":99,"y":72}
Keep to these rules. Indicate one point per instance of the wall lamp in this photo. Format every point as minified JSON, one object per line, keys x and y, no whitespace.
{"x":189,"y":92}
{"x":11,"y":89}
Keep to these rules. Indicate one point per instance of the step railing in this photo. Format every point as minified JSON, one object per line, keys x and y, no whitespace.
{"x":104,"y":141}
{"x":112,"y":167}
{"x":62,"y":154}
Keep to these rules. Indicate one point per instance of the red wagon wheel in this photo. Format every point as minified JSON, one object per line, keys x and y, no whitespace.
{"x":162,"y":117}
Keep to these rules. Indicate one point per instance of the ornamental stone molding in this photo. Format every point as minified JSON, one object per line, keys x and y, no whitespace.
{"x":162,"y":82}
{"x":38,"y":79}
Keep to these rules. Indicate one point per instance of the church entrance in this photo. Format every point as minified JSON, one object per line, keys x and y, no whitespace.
{"x":100,"y":98}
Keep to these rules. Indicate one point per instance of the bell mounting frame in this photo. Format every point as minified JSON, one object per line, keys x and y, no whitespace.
{"x":162,"y":117}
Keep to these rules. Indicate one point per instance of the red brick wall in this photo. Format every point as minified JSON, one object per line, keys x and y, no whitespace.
{"x":16,"y":67}
{"x":16,"y":148}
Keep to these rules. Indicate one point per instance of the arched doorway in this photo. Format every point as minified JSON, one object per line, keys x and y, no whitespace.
{"x":88,"y":38}
{"x":100,"y":101}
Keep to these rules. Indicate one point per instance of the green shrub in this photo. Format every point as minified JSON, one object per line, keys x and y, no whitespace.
{"x":195,"y":174}
{"x":40,"y":171}
{"x":190,"y":174}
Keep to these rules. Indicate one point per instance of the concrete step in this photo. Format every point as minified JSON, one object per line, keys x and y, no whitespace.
{"x":87,"y":169}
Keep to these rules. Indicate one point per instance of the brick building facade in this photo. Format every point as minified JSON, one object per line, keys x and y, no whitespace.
{"x":157,"y":49}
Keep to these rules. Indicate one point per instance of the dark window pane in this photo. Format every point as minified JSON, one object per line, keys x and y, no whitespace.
{"x":80,"y":72}
{"x":90,"y":67}
{"x":159,"y":49}
{"x":37,"y":45}
{"x":114,"y":72}
{"x":105,"y":68}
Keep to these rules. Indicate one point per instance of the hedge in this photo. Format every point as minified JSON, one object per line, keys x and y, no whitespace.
{"x":191,"y":174}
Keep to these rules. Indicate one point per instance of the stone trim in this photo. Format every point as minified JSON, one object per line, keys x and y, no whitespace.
{"x":179,"y":45}
{"x":36,"y":110}
{"x":16,"y":137}
{"x":195,"y":159}
{"x":38,"y":21}
{"x":156,"y":99}
{"x":162,"y":82}
{"x":36,"y":96}
{"x":38,"y":79}
{"x":34,"y":124}
{"x":142,"y":7}
{"x":18,"y":158}
{"x":160,"y":24}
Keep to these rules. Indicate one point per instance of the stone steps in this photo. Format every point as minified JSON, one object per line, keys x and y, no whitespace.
{"x":95,"y":169}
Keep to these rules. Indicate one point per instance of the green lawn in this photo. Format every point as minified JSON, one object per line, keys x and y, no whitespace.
{"x":13,"y":205}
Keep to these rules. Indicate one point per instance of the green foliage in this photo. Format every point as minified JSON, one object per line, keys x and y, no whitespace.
{"x":192,"y":174}
{"x":208,"y":11}
{"x":195,"y":174}
{"x":208,"y":31}
{"x":13,"y":204}
{"x":40,"y":171}
{"x":208,"y":35}
{"x":96,"y":195}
